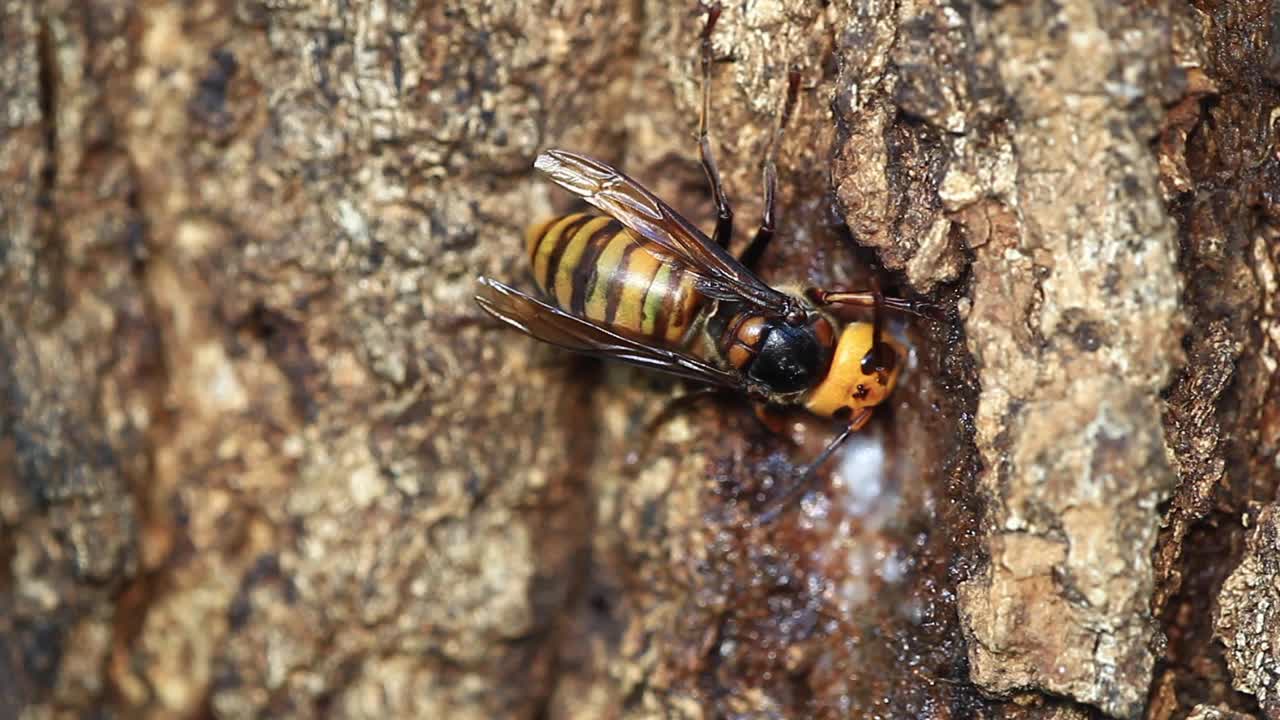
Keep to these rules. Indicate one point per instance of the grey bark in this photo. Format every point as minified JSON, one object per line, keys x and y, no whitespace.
{"x":260,"y":454}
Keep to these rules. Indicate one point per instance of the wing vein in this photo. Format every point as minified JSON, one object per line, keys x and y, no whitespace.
{"x":718,"y":273}
{"x":556,"y":327}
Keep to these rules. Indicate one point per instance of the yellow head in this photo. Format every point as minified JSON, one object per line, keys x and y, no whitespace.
{"x":852,"y":384}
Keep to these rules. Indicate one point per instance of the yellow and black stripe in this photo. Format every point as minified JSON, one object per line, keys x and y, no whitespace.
{"x":593,"y":267}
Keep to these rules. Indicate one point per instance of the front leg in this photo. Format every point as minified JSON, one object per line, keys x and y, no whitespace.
{"x":776,"y":506}
{"x":772,"y":418}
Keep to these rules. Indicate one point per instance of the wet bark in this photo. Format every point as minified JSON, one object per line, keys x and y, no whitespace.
{"x":261,"y":455}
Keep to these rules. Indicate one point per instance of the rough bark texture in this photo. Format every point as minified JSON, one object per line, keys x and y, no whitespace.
{"x":260,"y":454}
{"x":1248,"y":617}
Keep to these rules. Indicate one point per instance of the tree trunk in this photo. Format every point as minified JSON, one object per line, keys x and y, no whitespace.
{"x":262,"y":455}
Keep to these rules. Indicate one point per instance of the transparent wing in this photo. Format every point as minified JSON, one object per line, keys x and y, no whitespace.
{"x":718,"y":273}
{"x":554,"y":326}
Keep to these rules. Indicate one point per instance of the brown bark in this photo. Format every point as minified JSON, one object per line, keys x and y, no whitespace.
{"x":262,"y":455}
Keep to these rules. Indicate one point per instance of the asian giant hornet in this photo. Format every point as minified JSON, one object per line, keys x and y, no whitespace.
{"x":643,"y":285}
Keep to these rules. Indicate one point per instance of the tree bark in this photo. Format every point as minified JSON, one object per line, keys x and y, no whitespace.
{"x":261,"y":454}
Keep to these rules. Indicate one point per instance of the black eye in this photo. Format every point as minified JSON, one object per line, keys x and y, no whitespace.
{"x":880,"y":358}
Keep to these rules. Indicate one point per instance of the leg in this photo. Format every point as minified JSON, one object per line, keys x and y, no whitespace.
{"x":776,"y":506}
{"x":724,"y":213}
{"x":674,"y":406}
{"x":868,"y":300}
{"x":773,"y":420}
{"x":752,"y":254}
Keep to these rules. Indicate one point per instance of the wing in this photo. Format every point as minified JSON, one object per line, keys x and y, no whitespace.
{"x":554,"y":326}
{"x":719,"y":274}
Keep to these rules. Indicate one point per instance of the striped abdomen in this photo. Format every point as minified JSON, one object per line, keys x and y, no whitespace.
{"x":594,"y":268}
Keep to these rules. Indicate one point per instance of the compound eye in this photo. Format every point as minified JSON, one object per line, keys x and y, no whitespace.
{"x":880,"y":358}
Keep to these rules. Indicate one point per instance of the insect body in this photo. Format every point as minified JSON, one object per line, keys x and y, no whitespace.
{"x":598,"y":270}
{"x":643,"y":285}
{"x":595,"y":268}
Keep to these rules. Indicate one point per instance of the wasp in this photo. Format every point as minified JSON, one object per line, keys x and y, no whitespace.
{"x":641,"y":284}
